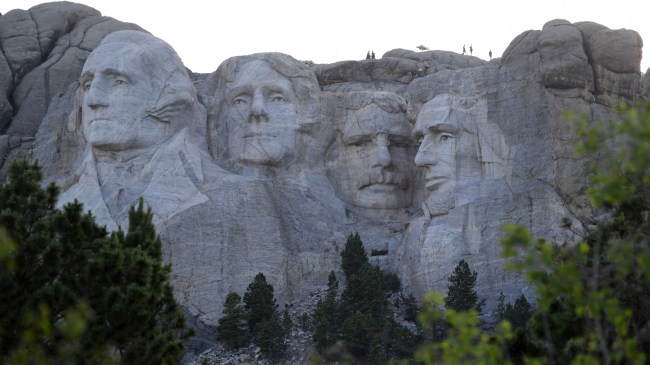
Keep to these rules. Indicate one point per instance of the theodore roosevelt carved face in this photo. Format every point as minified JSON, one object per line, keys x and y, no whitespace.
{"x":375,"y":160}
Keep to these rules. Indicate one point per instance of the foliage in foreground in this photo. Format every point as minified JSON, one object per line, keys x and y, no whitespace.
{"x":71,"y":293}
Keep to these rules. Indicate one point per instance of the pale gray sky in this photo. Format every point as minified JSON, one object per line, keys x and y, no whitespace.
{"x":204,"y":33}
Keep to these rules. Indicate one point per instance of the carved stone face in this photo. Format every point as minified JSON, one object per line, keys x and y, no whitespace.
{"x":376,"y":159}
{"x":262,"y":116}
{"x":438,"y":132}
{"x":116,"y":97}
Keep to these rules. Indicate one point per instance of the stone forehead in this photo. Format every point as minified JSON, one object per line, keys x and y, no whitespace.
{"x":128,"y":46}
{"x":372,"y":119}
{"x":388,"y":101}
{"x":258,"y":72}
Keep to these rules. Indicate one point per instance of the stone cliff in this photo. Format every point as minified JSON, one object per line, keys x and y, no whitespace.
{"x":267,"y":164}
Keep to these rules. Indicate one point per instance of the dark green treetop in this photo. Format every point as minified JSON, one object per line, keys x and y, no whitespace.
{"x":461,"y":291}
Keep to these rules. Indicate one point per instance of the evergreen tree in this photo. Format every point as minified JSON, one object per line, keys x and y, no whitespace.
{"x":63,"y":256}
{"x":271,"y":337}
{"x":287,"y":323}
{"x":232,"y":329}
{"x":361,"y":323}
{"x":332,"y":283}
{"x":326,"y":317}
{"x":259,"y":303}
{"x":364,"y":292}
{"x":517,"y":314}
{"x":461,"y":291}
{"x":147,"y":321}
{"x":353,"y":255}
{"x":357,"y":332}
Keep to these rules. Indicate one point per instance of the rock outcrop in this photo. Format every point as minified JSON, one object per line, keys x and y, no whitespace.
{"x":267,"y":164}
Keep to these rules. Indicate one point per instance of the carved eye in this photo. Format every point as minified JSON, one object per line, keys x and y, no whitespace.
{"x":278,"y":99}
{"x":120,"y":82}
{"x":445,"y":137}
{"x":86,"y":86}
{"x":238,"y":101}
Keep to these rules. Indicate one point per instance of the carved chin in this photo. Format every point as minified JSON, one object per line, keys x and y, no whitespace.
{"x":382,"y":196}
{"x":439,"y":202}
{"x":272,"y":155}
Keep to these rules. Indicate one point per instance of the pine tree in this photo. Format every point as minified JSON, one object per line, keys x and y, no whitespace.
{"x":360,"y":322}
{"x":326,"y":317}
{"x":353,"y":256}
{"x":144,"y":295}
{"x":271,"y":337}
{"x":287,"y":323}
{"x":461,"y":291}
{"x":232,"y":329}
{"x":364,"y":292}
{"x":332,"y":283}
{"x":63,"y":256}
{"x":259,"y":303}
{"x":517,"y":314}
{"x":358,"y":331}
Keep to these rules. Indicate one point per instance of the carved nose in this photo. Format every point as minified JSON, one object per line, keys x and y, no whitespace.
{"x":425,"y":156}
{"x":381,"y":156}
{"x":95,"y":97}
{"x":258,"y":109}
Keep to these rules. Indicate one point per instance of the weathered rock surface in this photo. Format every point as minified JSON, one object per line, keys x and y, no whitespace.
{"x":43,"y":51}
{"x":267,"y":164}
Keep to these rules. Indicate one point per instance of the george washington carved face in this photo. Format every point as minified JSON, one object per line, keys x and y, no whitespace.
{"x":135,"y":93}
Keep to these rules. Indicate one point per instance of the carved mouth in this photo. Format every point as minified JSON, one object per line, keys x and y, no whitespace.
{"x":383,"y":181}
{"x":432,"y":182}
{"x":258,"y":135}
{"x":381,"y":187}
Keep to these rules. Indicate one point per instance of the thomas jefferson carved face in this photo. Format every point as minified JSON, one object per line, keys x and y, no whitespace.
{"x":262,"y":109}
{"x":376,"y":157}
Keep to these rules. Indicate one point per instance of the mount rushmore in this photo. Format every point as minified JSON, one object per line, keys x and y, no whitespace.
{"x":269,"y":163}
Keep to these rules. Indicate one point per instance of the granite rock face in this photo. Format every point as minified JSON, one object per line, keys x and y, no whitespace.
{"x":43,"y":51}
{"x":268,"y":164}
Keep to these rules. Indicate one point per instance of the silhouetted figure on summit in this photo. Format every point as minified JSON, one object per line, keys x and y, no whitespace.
{"x":373,"y":55}
{"x":470,"y":50}
{"x":490,"y":54}
{"x":368,"y":55}
{"x":464,"y":49}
